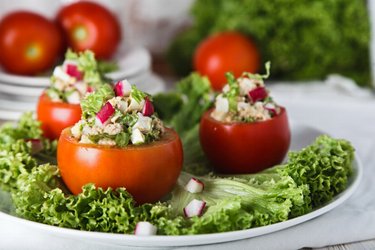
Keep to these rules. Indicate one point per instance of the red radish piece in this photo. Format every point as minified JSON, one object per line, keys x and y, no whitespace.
{"x":123,"y":88}
{"x":148,"y":108}
{"x":72,"y":70}
{"x":144,"y":228}
{"x":194,"y":208}
{"x":258,"y":94}
{"x":270,"y":107}
{"x":90,"y":89}
{"x":194,"y":186}
{"x":36,"y":145}
{"x":104,"y":114}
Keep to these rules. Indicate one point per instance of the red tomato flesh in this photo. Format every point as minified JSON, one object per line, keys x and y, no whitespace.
{"x":148,"y":172}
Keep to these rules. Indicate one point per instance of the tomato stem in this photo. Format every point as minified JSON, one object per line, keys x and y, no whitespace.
{"x":32,"y":51}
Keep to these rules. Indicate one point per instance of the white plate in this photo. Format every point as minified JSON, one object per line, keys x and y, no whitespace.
{"x":301,"y":136}
{"x":130,"y":61}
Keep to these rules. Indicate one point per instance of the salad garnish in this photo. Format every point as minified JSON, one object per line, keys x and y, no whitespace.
{"x":245,"y":99}
{"x":78,"y":75}
{"x":118,"y":117}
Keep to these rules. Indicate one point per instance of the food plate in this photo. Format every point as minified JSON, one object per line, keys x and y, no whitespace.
{"x":301,"y":136}
{"x":131,"y":62}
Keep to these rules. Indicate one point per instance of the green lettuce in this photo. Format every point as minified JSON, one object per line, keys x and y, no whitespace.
{"x":94,"y":101}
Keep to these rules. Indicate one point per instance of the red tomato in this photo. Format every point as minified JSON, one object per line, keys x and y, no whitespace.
{"x":55,"y":116}
{"x":29,"y":43}
{"x":239,"y":148}
{"x":90,"y":26}
{"x":148,"y":172}
{"x":224,"y":52}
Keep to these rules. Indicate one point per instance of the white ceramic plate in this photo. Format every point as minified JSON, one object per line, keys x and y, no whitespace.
{"x":131,"y":62}
{"x":301,"y":136}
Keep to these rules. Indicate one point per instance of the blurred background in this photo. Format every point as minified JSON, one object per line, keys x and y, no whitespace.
{"x":304,"y":40}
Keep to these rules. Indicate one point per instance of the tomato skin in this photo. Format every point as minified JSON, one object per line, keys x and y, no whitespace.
{"x":148,"y":172}
{"x":239,"y":148}
{"x":55,"y":116}
{"x":29,"y":43}
{"x":224,"y":52}
{"x":88,"y":25}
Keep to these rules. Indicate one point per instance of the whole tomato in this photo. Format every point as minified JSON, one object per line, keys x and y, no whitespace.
{"x":239,"y":148}
{"x":90,"y":26}
{"x":29,"y":43}
{"x":55,"y":116}
{"x":226,"y":52}
{"x":148,"y":172}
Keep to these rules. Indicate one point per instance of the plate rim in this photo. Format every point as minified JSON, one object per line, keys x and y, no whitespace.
{"x":200,"y":239}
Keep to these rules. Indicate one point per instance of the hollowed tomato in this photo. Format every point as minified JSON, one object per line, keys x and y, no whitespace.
{"x":148,"y":172}
{"x":239,"y":148}
{"x":55,"y":116}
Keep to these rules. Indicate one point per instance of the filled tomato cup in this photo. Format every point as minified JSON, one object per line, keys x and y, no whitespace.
{"x":246,"y":131}
{"x":59,"y":105}
{"x":120,"y":142}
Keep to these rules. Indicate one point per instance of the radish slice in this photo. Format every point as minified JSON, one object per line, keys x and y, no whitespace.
{"x":194,"y":186}
{"x":72,"y":70}
{"x":123,"y":88}
{"x":36,"y":145}
{"x":194,"y":208}
{"x":104,"y":114}
{"x":74,"y":98}
{"x":258,"y":94}
{"x":144,"y":228}
{"x":270,"y":107}
{"x":148,"y":108}
{"x":90,"y":89}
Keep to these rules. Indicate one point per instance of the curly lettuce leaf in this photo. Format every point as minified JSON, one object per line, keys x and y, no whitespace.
{"x":94,"y":101}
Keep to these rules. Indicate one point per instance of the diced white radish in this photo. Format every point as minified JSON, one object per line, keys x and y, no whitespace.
{"x":246,"y":85}
{"x":143,"y":123}
{"x":36,"y":145}
{"x":136,"y":106}
{"x":226,"y":88}
{"x":122,"y":105}
{"x":85,"y":140}
{"x":74,"y":97}
{"x":258,"y":94}
{"x":81,"y":87}
{"x":194,"y":208}
{"x":144,"y":228}
{"x":194,"y":186}
{"x":123,"y":88}
{"x":60,"y":74}
{"x":221,"y":104}
{"x":104,"y":115}
{"x":76,"y":130}
{"x":271,"y":108}
{"x":137,"y":137}
{"x":148,"y":108}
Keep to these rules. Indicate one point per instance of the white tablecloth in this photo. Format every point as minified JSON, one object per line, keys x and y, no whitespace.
{"x":340,"y":110}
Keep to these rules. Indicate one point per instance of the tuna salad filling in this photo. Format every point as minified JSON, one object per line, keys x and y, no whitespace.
{"x":245,"y":99}
{"x":118,"y":117}
{"x":77,"y":76}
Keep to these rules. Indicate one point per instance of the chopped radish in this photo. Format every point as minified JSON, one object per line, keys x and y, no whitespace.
{"x":90,"y":89}
{"x":137,"y":137}
{"x":104,"y":114}
{"x":74,"y":97}
{"x":123,"y":88}
{"x":144,"y":228}
{"x":72,"y":70}
{"x":148,"y":108}
{"x":258,"y":94}
{"x":136,"y":106}
{"x":194,"y":208}
{"x":36,"y":145}
{"x":271,"y":108}
{"x":60,"y":74}
{"x":222,"y":104}
{"x":143,"y":123}
{"x":194,"y":186}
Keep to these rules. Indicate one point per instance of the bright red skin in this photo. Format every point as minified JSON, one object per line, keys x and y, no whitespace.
{"x":148,"y":172}
{"x":240,"y":148}
{"x":102,"y":27}
{"x":19,"y":31}
{"x":226,"y":52}
{"x":55,"y":116}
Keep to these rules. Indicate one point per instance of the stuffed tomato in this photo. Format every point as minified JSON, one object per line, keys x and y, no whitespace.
{"x":59,"y":105}
{"x":246,"y":131}
{"x":120,"y":142}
